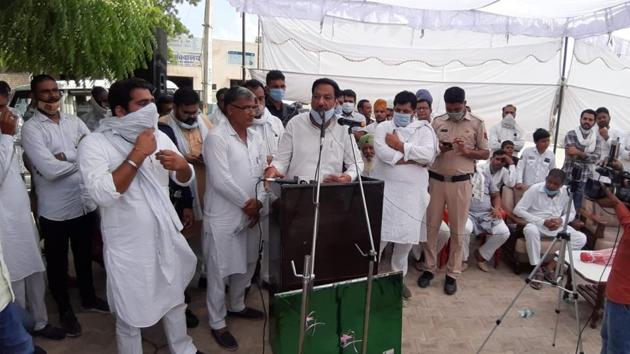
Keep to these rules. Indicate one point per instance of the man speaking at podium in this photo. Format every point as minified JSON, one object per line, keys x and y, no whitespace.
{"x":298,"y":153}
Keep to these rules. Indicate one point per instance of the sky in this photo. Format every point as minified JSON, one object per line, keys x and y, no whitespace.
{"x":226,"y":21}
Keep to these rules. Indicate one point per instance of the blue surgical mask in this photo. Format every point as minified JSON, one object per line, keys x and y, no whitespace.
{"x":276,"y":94}
{"x":551,"y":193}
{"x":338,"y":110}
{"x":318,"y":118}
{"x":402,"y":119}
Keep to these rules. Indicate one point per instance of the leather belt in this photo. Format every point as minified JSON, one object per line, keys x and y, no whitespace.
{"x":439,"y":177}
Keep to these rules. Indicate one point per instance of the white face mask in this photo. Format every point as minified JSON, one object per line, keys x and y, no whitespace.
{"x":508,"y":121}
{"x":132,"y":124}
{"x":457,"y":115}
{"x":318,"y":118}
{"x":347,"y":107}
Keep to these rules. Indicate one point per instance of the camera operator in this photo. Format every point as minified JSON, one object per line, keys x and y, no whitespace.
{"x":616,"y":323}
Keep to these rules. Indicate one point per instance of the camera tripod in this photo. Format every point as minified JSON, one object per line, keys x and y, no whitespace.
{"x":563,"y":237}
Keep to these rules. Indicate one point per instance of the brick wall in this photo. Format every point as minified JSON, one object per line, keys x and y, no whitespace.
{"x":16,"y":79}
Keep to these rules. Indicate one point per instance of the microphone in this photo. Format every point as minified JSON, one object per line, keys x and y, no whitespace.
{"x":322,"y":128}
{"x":351,"y":123}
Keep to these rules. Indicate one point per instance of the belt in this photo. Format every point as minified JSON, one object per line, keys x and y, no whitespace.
{"x":439,"y":177}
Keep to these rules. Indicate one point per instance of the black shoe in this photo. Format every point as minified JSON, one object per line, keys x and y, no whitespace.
{"x":96,"y":305}
{"x":450,"y":285}
{"x":425,"y":279}
{"x":50,"y":332}
{"x":248,"y":313}
{"x":39,"y":350}
{"x":70,"y":324}
{"x":191,"y":320}
{"x":225,"y":339}
{"x":203,"y":283}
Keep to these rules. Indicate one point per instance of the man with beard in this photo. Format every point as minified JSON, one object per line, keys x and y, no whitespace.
{"x":582,"y":148}
{"x":507,"y":129}
{"x":606,"y":133}
{"x":98,"y":108}
{"x":50,"y":139}
{"x":127,"y":164}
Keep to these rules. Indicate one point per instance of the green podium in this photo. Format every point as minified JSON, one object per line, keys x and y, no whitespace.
{"x":335,"y":319}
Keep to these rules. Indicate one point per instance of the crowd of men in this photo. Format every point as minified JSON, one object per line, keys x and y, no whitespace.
{"x":173,"y":193}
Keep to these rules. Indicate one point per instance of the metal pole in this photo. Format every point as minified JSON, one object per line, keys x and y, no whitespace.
{"x":306,"y":284}
{"x":207,"y":57}
{"x":561,"y":94}
{"x":243,"y":48}
{"x":258,"y":40}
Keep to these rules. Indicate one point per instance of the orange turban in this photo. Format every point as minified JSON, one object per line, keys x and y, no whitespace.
{"x":380,"y":104}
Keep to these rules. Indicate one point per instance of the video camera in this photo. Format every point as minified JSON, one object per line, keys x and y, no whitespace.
{"x":615,"y":179}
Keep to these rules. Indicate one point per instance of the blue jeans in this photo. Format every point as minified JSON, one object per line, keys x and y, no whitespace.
{"x":13,"y":337}
{"x":615,"y":329}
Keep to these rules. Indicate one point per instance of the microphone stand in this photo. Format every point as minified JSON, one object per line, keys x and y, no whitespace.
{"x":308,"y":275}
{"x":371,"y":255}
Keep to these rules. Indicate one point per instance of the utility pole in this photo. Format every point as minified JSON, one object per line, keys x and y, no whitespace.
{"x":206,"y":56}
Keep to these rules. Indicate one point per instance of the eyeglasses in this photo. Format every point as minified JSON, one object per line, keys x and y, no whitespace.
{"x":247,"y":109}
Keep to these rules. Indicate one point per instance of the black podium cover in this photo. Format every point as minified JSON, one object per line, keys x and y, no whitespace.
{"x":341,"y":226}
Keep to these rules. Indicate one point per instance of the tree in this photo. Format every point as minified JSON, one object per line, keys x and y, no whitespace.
{"x":83,"y":38}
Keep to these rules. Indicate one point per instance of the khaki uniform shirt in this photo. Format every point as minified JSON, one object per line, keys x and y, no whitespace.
{"x":472,"y":130}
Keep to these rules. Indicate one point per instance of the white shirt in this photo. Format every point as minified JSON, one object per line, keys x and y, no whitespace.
{"x":536,"y":207}
{"x":371,"y":128}
{"x":502,"y":177}
{"x":19,"y":236}
{"x":406,"y":195}
{"x":217,"y":117}
{"x":60,"y":195}
{"x":6,"y":293}
{"x":136,"y":287}
{"x":270,"y":129}
{"x":298,"y":150}
{"x":613,"y":134}
{"x":498,"y":134}
{"x":234,"y":169}
{"x":533,"y":167}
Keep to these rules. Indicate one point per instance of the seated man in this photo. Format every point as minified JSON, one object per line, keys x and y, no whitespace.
{"x":485,"y":216}
{"x":501,"y":169}
{"x":508,"y":147}
{"x":544,"y":206}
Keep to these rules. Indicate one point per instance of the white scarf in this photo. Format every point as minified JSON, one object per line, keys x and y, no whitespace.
{"x":405,"y":133}
{"x":122,"y":134}
{"x":183,"y":146}
{"x":590,"y":142}
{"x":99,"y":111}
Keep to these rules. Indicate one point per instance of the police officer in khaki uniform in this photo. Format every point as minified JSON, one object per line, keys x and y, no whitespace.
{"x":463,"y":140}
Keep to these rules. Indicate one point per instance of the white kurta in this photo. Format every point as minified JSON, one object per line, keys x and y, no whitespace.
{"x":234,"y":169}
{"x":498,"y":134}
{"x":270,"y":129}
{"x":298,"y":150}
{"x":406,"y":195}
{"x":536,"y":207}
{"x":613,"y":134}
{"x":19,"y":237}
{"x":137,"y":290}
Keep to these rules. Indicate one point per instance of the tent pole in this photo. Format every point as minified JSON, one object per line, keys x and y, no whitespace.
{"x":243,"y":48}
{"x":561,"y":94}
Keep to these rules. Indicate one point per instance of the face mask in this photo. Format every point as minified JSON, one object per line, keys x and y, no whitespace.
{"x":189,"y":124}
{"x":318,"y":118}
{"x":338,"y":110}
{"x":49,"y":107}
{"x":347,"y":107}
{"x":508,"y":121}
{"x":456,"y":115}
{"x":131,"y":125}
{"x":402,"y":119}
{"x":276,"y":94}
{"x":551,"y":193}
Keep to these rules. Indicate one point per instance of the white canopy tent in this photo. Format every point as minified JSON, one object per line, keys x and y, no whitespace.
{"x":502,"y":51}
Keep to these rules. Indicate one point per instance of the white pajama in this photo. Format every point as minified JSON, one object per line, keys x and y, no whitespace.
{"x":400,"y":256}
{"x":30,"y":294}
{"x":500,"y":234}
{"x":533,"y":236}
{"x":129,"y":338}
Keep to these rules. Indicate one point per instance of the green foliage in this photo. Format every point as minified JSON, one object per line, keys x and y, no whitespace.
{"x":83,"y":38}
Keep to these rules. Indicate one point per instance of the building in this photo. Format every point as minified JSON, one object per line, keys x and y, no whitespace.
{"x":226,"y":62}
